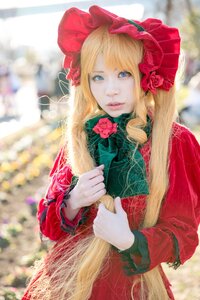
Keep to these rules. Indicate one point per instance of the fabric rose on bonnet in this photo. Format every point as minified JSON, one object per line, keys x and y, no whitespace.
{"x":155,"y":81}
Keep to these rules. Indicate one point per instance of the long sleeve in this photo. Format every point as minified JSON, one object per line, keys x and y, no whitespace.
{"x":51,"y":217}
{"x":174,"y":238}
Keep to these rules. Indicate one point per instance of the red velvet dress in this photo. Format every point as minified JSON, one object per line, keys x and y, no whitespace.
{"x":173,"y":239}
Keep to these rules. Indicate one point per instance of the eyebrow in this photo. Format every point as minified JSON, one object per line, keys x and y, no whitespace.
{"x":95,"y":71}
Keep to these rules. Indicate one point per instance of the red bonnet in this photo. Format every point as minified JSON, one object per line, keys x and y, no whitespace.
{"x":161,"y":44}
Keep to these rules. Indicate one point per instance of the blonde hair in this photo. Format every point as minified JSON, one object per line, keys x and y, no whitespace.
{"x":70,"y":274}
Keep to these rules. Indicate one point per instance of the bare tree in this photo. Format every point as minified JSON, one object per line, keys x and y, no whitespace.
{"x":189,"y":5}
{"x":168,"y":11}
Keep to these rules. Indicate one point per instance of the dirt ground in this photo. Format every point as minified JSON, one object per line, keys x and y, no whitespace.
{"x":24,"y":240}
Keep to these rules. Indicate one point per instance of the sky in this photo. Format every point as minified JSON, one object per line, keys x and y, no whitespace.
{"x":40,"y":31}
{"x":28,"y":3}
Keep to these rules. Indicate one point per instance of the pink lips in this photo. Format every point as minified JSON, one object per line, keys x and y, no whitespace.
{"x":115,"y":105}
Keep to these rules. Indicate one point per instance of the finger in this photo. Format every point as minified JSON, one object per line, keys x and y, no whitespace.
{"x":96,"y":180}
{"x":93,"y":173}
{"x":98,"y":187}
{"x":101,"y":167}
{"x":101,"y":207}
{"x":97,"y":196}
{"x":89,"y":191}
{"x":118,"y":205}
{"x":103,"y":212}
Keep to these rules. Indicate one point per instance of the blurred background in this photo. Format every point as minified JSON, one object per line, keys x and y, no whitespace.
{"x":33,"y":105}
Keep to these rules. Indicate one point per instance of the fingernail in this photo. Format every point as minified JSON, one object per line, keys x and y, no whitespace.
{"x":100,"y":167}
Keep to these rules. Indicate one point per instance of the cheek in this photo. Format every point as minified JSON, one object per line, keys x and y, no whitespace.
{"x":129,"y":90}
{"x":96,"y":91}
{"x":92,"y":88}
{"x":131,"y":84}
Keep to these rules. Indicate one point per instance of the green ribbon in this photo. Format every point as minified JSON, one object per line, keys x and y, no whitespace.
{"x":124,"y":171}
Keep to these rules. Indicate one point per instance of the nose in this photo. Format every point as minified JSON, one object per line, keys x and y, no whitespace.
{"x":111,"y":88}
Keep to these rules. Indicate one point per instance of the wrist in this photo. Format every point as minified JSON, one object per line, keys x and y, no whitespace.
{"x":72,"y":202}
{"x":128,"y":243}
{"x":70,"y":210}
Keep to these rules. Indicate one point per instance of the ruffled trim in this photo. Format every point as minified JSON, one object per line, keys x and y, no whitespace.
{"x":44,"y":213}
{"x":67,"y":225}
{"x":137,"y":256}
{"x":177,"y":261}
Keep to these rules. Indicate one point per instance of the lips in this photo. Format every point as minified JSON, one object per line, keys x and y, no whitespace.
{"x":115,"y":105}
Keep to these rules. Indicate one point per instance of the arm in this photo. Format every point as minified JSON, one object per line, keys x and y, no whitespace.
{"x":66,"y":205}
{"x":51,"y":216}
{"x":174,"y":238}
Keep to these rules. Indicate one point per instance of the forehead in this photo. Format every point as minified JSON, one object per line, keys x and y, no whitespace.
{"x":101,"y":64}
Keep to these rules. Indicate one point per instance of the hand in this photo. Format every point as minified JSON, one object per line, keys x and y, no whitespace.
{"x":113,"y":227}
{"x":89,"y":189}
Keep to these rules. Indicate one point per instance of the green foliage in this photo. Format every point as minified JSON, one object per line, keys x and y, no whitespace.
{"x":4,"y":242}
{"x":190,"y":30}
{"x":14,"y":229}
{"x":19,"y":280}
{"x":9,"y":295}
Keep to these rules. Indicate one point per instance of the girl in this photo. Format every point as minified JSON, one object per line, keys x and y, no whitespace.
{"x":124,"y":192}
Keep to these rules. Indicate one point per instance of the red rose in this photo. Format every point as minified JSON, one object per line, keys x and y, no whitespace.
{"x":152,"y":82}
{"x":105,"y":128}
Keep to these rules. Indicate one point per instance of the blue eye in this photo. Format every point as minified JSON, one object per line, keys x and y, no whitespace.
{"x":97,"y":78}
{"x":124,"y":74}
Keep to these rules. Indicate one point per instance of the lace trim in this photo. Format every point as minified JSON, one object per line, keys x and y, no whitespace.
{"x":68,"y":227}
{"x":139,"y":248}
{"x":177,"y":261}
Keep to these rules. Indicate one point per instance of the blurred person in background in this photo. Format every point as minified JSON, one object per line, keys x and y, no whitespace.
{"x":9,"y":85}
{"x":43,"y":82}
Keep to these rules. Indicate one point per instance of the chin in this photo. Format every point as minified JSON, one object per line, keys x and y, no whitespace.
{"x":117,"y":113}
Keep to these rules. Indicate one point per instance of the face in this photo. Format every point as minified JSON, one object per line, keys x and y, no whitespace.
{"x":112,"y":89}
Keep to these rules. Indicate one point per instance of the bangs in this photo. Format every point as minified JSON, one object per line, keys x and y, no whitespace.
{"x":119,"y":51}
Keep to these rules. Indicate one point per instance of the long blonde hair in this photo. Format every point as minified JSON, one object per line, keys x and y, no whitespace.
{"x":70,"y":274}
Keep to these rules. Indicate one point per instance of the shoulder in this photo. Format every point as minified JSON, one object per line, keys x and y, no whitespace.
{"x":184,"y":144}
{"x":181,"y":131}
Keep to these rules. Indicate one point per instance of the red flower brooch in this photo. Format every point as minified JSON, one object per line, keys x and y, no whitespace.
{"x":105,"y":128}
